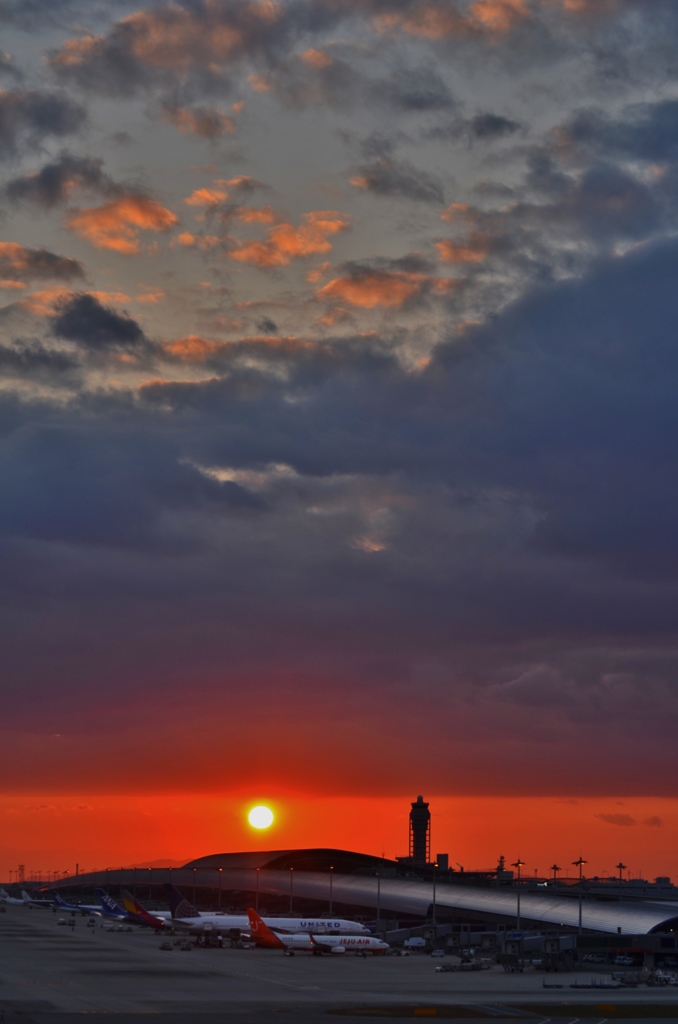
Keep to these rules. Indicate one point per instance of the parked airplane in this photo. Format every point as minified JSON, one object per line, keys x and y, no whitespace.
{"x":31,"y":901}
{"x":265,"y":936}
{"x":106,"y":907}
{"x":11,"y":900}
{"x":140,"y":914}
{"x":185,"y":915}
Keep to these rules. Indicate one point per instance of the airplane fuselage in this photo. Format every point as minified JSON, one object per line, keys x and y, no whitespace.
{"x":288,"y":925}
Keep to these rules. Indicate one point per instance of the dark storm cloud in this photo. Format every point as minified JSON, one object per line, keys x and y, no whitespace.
{"x":84,"y":320}
{"x":485,"y":128}
{"x":109,"y":488}
{"x":27,"y":14}
{"x":648,"y":131}
{"x":399,"y":179}
{"x":31,"y":360}
{"x":489,"y":126}
{"x":19,"y":263}
{"x":29,"y":117}
{"x":54,"y":183}
{"x":415,"y":89}
{"x":267,"y":326}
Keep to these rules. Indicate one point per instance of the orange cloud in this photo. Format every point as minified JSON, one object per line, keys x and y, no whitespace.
{"x":242,"y":181}
{"x":317,"y":274}
{"x":204,"y":122}
{"x":475,"y":250}
{"x":250,"y":215}
{"x":285,"y":242}
{"x":76,"y":51}
{"x":152,"y":297}
{"x":192,"y":349}
{"x":499,"y":15}
{"x":174,"y":38}
{"x":338,"y":315}
{"x":13,"y":285}
{"x":116,"y":225}
{"x":204,"y":242}
{"x":317,"y":59}
{"x":258,"y":83}
{"x":196,"y":349}
{"x":437,"y":19}
{"x":389,"y":289}
{"x":586,"y":6}
{"x":457,"y":211}
{"x":45,"y":302}
{"x":479,"y":243}
{"x":206,"y":197}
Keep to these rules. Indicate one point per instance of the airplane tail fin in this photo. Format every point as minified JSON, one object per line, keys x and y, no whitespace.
{"x":134,"y":908}
{"x":4,"y":895}
{"x":179,"y":905}
{"x":108,"y":905}
{"x":59,"y":901}
{"x":261,"y":933}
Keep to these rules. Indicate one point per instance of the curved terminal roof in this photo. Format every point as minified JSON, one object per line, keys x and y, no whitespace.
{"x":401,"y":896}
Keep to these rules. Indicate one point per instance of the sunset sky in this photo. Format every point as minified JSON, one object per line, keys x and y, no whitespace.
{"x":338,"y":428}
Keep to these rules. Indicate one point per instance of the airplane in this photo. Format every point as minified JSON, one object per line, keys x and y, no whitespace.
{"x":31,"y":901}
{"x":76,"y":908}
{"x":12,"y":900}
{"x":185,"y":915}
{"x":109,"y":908}
{"x":106,"y":907}
{"x":136,"y":912}
{"x":316,"y":944}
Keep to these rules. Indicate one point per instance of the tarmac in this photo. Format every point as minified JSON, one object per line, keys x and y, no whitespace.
{"x":56,"y":974}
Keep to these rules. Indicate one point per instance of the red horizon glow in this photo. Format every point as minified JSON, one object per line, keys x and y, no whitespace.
{"x":54,"y":834}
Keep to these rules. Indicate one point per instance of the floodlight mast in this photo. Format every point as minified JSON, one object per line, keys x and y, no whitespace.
{"x":580,"y":864}
{"x":518,"y":864}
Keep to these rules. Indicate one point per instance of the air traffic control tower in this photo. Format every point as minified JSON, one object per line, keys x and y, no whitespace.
{"x":420,"y":833}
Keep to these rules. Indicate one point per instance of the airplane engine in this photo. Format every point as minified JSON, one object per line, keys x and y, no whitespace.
{"x":338,"y":950}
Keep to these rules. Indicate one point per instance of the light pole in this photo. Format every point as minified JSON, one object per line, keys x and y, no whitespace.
{"x":378,"y":896}
{"x":434,"y":894}
{"x":518,"y":864}
{"x":150,"y":883}
{"x":220,"y":870}
{"x":256,"y":905}
{"x":580,"y":864}
{"x":620,"y":868}
{"x":194,"y":871}
{"x":331,"y":877}
{"x":555,"y":868}
{"x":291,"y":889}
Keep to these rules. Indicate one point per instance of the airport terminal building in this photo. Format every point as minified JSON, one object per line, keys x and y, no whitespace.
{"x":330,"y":881}
{"x":391,"y":894}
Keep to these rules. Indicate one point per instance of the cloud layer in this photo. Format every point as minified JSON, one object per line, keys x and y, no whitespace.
{"x":337,"y":395}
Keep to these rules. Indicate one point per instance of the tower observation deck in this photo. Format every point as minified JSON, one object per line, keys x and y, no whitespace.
{"x":420,"y":833}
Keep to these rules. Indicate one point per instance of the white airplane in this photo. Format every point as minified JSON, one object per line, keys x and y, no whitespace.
{"x":185,"y":916}
{"x":316,"y":944}
{"x":32,"y":902}
{"x":12,"y":900}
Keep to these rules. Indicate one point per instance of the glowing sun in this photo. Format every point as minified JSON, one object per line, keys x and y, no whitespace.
{"x":260,"y":817}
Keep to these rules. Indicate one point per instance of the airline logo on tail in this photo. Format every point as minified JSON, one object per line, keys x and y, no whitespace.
{"x":132,"y":906}
{"x":261,"y":933}
{"x":179,"y":905}
{"x":108,"y":905}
